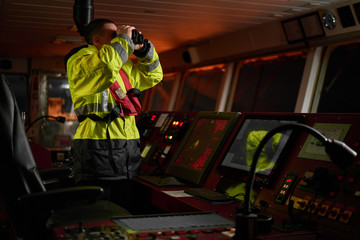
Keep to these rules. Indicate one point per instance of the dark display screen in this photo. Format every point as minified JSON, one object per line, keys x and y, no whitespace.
{"x":237,"y":161}
{"x":200,"y":146}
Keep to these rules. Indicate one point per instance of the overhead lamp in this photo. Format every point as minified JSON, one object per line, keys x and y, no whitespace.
{"x":83,"y":13}
{"x":341,"y":154}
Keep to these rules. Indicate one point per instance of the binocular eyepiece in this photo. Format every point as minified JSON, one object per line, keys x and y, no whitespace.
{"x":136,"y":37}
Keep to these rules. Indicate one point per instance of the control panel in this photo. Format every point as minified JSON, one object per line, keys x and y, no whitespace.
{"x":114,"y":232}
{"x":161,"y":134}
{"x":205,"y":226}
{"x":309,"y":192}
{"x":314,"y":192}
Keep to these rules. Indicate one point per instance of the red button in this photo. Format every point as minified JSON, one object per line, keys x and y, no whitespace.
{"x":141,"y":235}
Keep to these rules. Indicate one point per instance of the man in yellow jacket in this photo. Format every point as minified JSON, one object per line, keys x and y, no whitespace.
{"x":106,"y":143}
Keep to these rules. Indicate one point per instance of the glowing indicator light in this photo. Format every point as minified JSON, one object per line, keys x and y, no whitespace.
{"x":142,"y":235}
{"x":153,"y":117}
{"x":288,"y":180}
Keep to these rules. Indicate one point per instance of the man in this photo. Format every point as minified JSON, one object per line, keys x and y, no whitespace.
{"x":106,"y":143}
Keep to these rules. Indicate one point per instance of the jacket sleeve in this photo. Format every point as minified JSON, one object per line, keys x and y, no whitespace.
{"x":147,"y":72}
{"x":92,"y":71}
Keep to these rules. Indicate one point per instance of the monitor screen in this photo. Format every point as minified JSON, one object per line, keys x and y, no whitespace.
{"x":238,"y":158}
{"x":201,"y":145}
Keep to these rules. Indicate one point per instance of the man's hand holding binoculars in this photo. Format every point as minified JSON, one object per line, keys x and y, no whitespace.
{"x":136,"y":36}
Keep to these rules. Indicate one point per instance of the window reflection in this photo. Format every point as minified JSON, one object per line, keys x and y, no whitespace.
{"x":339,"y":93}
{"x":201,"y":89}
{"x":269,"y":84}
{"x":161,"y":93}
{"x":59,"y":99}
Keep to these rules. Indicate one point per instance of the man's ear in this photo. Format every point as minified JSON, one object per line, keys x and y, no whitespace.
{"x":96,"y":39}
{"x":97,"y":42}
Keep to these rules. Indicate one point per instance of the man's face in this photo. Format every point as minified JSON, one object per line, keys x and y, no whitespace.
{"x":109,"y":32}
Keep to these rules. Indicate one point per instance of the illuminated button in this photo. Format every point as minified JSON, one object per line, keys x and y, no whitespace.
{"x":194,"y":231}
{"x":323,"y":210}
{"x":351,"y":179}
{"x":357,"y":194}
{"x":332,"y":213}
{"x":181,"y":232}
{"x":169,"y":233}
{"x":345,"y":215}
{"x":341,"y":175}
{"x":141,"y":235}
{"x":335,"y":211}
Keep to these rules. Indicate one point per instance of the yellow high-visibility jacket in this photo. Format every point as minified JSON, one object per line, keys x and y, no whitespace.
{"x":265,"y":158}
{"x":90,"y":73}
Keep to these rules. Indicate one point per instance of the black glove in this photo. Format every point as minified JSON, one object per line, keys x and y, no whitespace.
{"x":142,"y":52}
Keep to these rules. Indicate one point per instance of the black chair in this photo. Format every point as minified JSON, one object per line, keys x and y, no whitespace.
{"x":30,"y":209}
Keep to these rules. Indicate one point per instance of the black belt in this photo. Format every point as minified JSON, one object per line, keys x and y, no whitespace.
{"x":115,"y":113}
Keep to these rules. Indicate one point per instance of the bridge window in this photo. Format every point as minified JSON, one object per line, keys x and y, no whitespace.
{"x":201,"y":88}
{"x":340,"y":88}
{"x":269,"y":84}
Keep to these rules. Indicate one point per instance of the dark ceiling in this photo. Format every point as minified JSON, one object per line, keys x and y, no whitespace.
{"x":45,"y":28}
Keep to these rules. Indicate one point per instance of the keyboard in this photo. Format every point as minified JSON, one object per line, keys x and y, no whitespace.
{"x":208,"y":195}
{"x":161,"y":181}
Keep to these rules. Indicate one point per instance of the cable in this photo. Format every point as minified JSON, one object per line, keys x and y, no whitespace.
{"x":59,"y":119}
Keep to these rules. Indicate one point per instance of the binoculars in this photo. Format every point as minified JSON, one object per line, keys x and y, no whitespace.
{"x":136,"y":37}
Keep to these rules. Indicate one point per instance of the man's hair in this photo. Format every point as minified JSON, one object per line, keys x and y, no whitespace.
{"x":95,"y":27}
